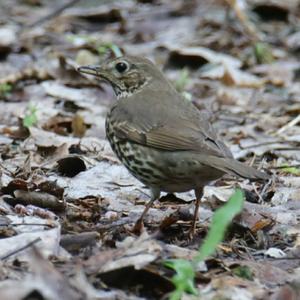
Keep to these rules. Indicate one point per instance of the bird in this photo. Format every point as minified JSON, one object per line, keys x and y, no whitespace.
{"x":161,"y":137}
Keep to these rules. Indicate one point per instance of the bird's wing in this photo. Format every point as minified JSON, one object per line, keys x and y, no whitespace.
{"x":169,"y":132}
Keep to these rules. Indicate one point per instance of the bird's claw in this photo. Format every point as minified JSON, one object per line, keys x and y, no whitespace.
{"x":138,"y":227}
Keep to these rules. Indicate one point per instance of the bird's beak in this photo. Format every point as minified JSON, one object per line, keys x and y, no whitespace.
{"x":91,"y":70}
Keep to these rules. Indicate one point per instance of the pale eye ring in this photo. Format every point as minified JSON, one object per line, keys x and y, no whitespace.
{"x":121,"y":66}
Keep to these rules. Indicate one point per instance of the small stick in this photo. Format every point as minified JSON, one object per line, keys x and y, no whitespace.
{"x":20,"y":249}
{"x":289,"y":125}
{"x":53,"y":14}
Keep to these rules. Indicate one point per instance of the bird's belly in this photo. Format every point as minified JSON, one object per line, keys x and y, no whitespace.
{"x":177,"y":171}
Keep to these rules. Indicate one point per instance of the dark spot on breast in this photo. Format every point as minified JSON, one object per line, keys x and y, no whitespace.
{"x":145,"y":170}
{"x":137,"y":153}
{"x":155,"y":167}
{"x":138,"y":162}
{"x":130,"y":157}
{"x":135,"y":168}
{"x":143,"y":175}
{"x":151,"y":164}
{"x":157,"y":176}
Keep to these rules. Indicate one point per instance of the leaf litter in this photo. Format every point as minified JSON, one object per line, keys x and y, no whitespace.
{"x":67,"y":205}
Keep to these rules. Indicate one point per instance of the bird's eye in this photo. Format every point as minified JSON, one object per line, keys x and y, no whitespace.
{"x":121,"y":67}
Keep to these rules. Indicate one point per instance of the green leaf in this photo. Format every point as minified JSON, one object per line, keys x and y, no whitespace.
{"x":291,"y":170}
{"x":5,"y":89}
{"x":184,"y":278}
{"x":183,"y":80}
{"x":263,"y":53}
{"x":116,"y":50}
{"x":102,"y":49}
{"x":243,"y":272}
{"x":30,"y":118}
{"x":220,"y":221}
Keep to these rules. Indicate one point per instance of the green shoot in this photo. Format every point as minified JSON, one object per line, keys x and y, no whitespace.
{"x":291,"y":170}
{"x":30,"y":118}
{"x":183,"y":80}
{"x":101,"y":48}
{"x":220,"y":222}
{"x":183,"y":280}
{"x":109,"y":46}
{"x":243,"y":272}
{"x":263,"y":53}
{"x":5,"y":89}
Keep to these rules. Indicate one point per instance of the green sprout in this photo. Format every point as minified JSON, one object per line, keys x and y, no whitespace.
{"x":5,"y":89}
{"x":102,"y":49}
{"x":30,"y":118}
{"x":243,"y":272}
{"x":263,"y":53}
{"x":183,"y":280}
{"x":183,"y":80}
{"x":291,"y":170}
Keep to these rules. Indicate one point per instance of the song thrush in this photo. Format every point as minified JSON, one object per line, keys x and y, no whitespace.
{"x":160,"y":137}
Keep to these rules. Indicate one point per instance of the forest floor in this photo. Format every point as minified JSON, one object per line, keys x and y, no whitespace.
{"x":67,"y":205}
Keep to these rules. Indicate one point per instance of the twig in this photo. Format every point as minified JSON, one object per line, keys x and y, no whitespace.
{"x":239,"y":9}
{"x":20,"y":249}
{"x":289,"y":125}
{"x":6,"y":169}
{"x":27,"y":224}
{"x":261,"y":144}
{"x":283,"y":167}
{"x":287,"y":149}
{"x":53,"y":14}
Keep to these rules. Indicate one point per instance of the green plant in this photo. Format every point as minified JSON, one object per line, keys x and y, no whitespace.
{"x":102,"y":49}
{"x":291,"y":170}
{"x":243,"y":272}
{"x":183,"y":280}
{"x":263,"y":53}
{"x":30,"y":118}
{"x":183,"y":80}
{"x":5,"y":89}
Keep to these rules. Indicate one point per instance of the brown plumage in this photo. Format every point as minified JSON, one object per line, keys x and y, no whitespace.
{"x":162,"y":139}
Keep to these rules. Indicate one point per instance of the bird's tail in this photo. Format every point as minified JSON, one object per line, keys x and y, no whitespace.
{"x":234,"y":167}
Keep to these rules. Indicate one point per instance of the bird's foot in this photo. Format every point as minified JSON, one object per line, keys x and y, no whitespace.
{"x":191,"y":234}
{"x":192,"y":231}
{"x":138,"y":227}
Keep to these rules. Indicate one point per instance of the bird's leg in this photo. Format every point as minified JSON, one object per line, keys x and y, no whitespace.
{"x":155,"y":193}
{"x":198,"y":194}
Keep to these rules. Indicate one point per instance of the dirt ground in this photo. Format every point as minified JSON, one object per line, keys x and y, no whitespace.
{"x":67,"y":206}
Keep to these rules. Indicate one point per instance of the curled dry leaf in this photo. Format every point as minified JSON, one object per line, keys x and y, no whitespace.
{"x":40,"y":199}
{"x":76,"y":242}
{"x":137,"y":252}
{"x":29,"y":229}
{"x":48,"y":139}
{"x":196,"y":57}
{"x":102,"y":14}
{"x":230,"y":75}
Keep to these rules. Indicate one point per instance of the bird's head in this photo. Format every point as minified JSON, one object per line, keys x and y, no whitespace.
{"x":127,"y":74}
